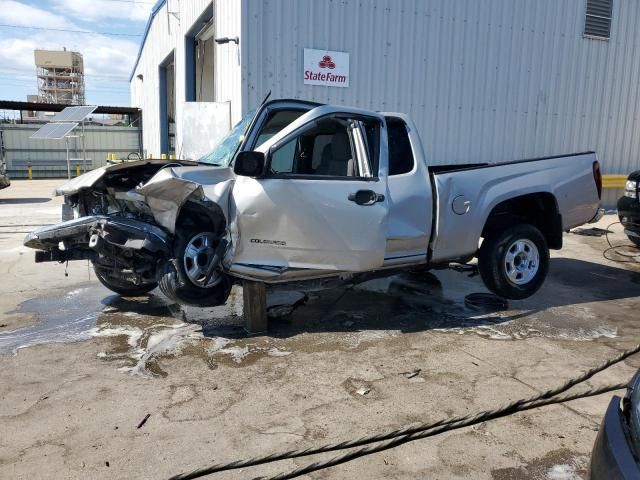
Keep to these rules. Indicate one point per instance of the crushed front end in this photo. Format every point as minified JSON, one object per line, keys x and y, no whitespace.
{"x":136,"y":223}
{"x":120,"y":248}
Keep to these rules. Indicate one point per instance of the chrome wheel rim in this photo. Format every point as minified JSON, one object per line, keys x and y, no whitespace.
{"x":197,"y":256}
{"x":522,"y":261}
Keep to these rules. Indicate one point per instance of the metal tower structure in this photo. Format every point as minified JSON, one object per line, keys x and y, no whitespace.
{"x":60,"y":76}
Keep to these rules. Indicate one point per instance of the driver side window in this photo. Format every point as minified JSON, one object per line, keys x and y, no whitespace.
{"x":333,"y":147}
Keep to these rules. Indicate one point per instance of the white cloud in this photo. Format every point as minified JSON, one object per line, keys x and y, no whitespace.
{"x":95,"y":10}
{"x":103,"y":55}
{"x":16,"y":13}
{"x":107,"y":59}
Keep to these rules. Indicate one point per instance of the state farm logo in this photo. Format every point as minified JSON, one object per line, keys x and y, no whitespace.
{"x":324,"y":67}
{"x":327,"y":62}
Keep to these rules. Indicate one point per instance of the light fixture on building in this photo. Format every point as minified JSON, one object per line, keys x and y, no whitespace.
{"x":223,"y":40}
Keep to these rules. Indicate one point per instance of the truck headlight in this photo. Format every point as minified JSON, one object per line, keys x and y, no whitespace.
{"x":69,"y":210}
{"x":631,"y":189}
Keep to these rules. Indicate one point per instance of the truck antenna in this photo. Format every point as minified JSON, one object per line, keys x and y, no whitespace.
{"x":266,"y":98}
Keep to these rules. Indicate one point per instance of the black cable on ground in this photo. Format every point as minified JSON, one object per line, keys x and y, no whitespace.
{"x":409,"y":430}
{"x":630,"y":257}
{"x":395,"y":442}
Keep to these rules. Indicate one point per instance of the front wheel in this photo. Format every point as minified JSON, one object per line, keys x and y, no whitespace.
{"x":184,"y":278}
{"x":514,"y":263}
{"x":121,"y":285}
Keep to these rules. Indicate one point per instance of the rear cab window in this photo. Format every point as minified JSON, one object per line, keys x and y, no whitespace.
{"x":401,"y":158}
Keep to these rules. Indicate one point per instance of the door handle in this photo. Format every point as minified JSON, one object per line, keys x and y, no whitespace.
{"x":366,"y":197}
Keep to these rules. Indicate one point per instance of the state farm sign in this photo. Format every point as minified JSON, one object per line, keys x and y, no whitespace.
{"x":323,"y":67}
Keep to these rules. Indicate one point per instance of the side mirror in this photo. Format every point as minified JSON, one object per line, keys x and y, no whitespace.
{"x":249,"y":164}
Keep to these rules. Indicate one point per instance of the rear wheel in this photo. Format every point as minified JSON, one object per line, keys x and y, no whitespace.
{"x":121,"y":285}
{"x":184,"y":279}
{"x":514,"y":262}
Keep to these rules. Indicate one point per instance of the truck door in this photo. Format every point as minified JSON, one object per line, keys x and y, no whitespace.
{"x":410,"y":196}
{"x":321,"y":205}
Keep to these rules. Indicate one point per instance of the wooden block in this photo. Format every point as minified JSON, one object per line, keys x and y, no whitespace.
{"x":254,"y":295}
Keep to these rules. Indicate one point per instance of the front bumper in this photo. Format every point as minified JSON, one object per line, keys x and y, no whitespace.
{"x":629,"y":214}
{"x":612,"y":457}
{"x":91,"y":232}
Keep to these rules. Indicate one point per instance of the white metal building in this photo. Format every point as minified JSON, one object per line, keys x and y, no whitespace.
{"x":489,"y":80}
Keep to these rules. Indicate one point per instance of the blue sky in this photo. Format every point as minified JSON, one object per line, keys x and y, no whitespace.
{"x":108,"y":59}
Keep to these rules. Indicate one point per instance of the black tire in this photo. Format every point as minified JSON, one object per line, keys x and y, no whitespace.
{"x":176,"y":285}
{"x":634,"y":240}
{"x":120,"y":286}
{"x":492,"y":261}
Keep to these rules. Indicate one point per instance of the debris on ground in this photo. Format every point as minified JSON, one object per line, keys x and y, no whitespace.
{"x":363,"y":391}
{"x":486,"y":300}
{"x":591,"y":232}
{"x":144,"y":420}
{"x":412,"y":373}
{"x":282,"y":303}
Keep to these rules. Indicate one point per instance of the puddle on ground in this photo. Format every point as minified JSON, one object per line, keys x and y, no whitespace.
{"x":145,"y":329}
{"x":142,"y":331}
{"x":562,"y":464}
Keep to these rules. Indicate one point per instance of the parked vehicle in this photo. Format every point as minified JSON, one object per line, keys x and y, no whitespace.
{"x":616,"y":452}
{"x":301,"y":191}
{"x":629,"y":208}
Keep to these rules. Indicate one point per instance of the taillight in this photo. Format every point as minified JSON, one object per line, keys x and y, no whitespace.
{"x":597,"y":176}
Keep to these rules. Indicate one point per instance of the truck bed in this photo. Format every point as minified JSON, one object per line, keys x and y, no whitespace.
{"x":566,"y":179}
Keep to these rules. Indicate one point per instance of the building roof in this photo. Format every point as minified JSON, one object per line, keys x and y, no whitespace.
{"x":58,"y":107}
{"x":154,"y":11}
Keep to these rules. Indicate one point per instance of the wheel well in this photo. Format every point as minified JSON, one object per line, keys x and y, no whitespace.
{"x":538,"y":209}
{"x":203,"y":217}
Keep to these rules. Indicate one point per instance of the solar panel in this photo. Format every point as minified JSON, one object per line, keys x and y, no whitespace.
{"x":74,"y":114}
{"x":54,"y":130}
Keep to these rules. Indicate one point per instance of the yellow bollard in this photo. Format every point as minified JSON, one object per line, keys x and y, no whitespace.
{"x":163,"y":156}
{"x":77,"y":169}
{"x":108,"y":156}
{"x":172,"y":157}
{"x":149,"y":156}
{"x":29,"y":172}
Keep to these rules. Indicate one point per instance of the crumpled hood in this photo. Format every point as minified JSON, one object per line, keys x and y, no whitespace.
{"x":83,"y":181}
{"x":90,"y":178}
{"x":168,"y":189}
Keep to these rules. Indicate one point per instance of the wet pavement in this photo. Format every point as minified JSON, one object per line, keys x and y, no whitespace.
{"x":147,"y":328}
{"x":80,"y":365}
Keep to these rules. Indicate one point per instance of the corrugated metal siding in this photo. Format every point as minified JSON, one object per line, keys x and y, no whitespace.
{"x":49,"y":157}
{"x":166,"y":34}
{"x":228,"y":79}
{"x":493,"y":80}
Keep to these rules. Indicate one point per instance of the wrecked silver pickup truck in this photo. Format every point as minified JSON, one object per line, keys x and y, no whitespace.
{"x":300,"y":191}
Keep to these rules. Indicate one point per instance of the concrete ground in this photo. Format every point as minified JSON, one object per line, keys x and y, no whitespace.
{"x":81,"y":367}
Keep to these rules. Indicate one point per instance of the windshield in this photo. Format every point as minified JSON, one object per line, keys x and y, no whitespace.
{"x":223,"y":153}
